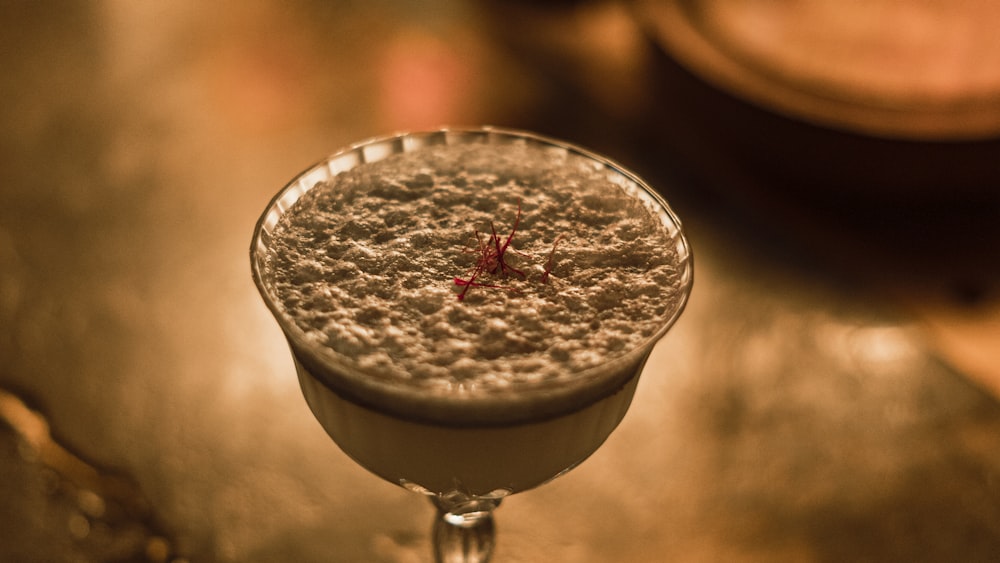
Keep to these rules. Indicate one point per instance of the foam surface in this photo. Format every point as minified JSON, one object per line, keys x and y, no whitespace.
{"x":366,"y":264}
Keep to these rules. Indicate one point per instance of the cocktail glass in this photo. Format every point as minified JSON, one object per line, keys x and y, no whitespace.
{"x":466,"y":453}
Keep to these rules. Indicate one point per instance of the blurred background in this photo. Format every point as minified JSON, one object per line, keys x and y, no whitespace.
{"x":831,"y":394}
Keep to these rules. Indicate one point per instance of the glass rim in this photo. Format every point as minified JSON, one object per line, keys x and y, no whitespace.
{"x":533,"y":401}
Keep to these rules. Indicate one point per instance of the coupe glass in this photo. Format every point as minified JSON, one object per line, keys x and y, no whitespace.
{"x":465,"y":454}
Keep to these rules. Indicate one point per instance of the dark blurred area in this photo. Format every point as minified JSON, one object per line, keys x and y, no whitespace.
{"x":831,"y":394}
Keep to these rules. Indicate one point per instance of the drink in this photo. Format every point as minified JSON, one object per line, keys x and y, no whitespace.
{"x":469,"y":310}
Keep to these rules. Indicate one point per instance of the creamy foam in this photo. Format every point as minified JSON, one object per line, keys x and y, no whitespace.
{"x":365,"y":264}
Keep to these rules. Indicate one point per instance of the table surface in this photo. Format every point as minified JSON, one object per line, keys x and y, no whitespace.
{"x":810,"y":405}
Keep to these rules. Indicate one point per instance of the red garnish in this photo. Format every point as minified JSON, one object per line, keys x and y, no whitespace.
{"x":499,"y":259}
{"x":548,"y":263}
{"x":492,"y":259}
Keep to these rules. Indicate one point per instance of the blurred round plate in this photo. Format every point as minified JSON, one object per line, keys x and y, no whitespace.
{"x":893,"y":68}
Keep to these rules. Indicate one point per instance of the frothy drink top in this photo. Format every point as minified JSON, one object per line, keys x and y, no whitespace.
{"x":475,"y":270}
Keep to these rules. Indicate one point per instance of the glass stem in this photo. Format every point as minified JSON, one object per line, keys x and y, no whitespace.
{"x":463,"y":529}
